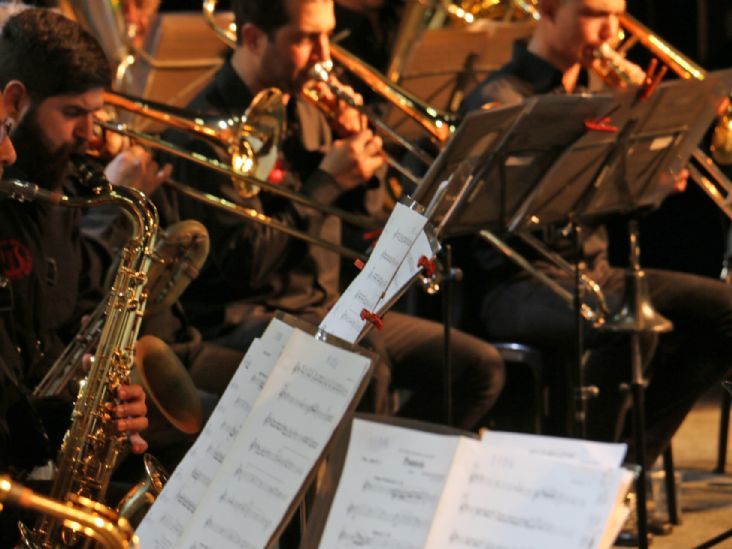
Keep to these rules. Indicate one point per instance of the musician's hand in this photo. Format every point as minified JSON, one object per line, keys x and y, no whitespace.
{"x":681,"y":181}
{"x":135,"y":168}
{"x":132,"y":415}
{"x":608,"y":58}
{"x":674,"y":182}
{"x":354,"y":160}
{"x":347,"y":120}
{"x":108,"y":143}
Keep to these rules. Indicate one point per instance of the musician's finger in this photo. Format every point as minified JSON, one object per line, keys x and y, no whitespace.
{"x":137,"y":443}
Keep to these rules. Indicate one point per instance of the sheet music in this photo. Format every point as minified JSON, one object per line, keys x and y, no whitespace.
{"x":582,"y":452}
{"x":166,"y":520}
{"x":299,"y":407}
{"x":367,"y":289}
{"x":422,"y":246}
{"x":495,"y":497}
{"x":391,"y":482}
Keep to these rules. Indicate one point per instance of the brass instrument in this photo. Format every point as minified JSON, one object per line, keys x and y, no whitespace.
{"x":323,"y":72}
{"x":250,"y":141}
{"x":179,"y":253}
{"x":136,"y":502}
{"x":721,"y":146}
{"x":78,"y":514}
{"x":92,"y":444}
{"x":237,"y":209}
{"x":440,"y":125}
{"x":121,"y":40}
{"x":702,"y":169}
{"x":243,"y":180}
{"x":470,"y":11}
{"x":597,"y":315}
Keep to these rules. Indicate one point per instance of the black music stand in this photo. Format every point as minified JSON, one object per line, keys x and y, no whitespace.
{"x":496,"y":158}
{"x":655,"y":136}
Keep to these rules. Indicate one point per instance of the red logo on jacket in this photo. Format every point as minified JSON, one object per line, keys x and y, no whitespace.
{"x":15,"y":259}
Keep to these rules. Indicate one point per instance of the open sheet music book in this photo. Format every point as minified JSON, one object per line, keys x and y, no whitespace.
{"x":407,"y":489}
{"x":248,"y":469}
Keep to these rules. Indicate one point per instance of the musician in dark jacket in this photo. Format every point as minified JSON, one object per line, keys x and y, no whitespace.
{"x":253,"y":270}
{"x":690,"y":359}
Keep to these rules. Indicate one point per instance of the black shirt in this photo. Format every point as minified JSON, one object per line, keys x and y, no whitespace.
{"x":252,"y":266}
{"x":523,"y":76}
{"x":50,"y":271}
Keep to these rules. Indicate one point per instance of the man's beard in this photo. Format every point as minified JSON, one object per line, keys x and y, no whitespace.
{"x":36,"y":157}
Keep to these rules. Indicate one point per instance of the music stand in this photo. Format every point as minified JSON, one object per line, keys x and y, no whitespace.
{"x":443,"y":63}
{"x":655,"y":136}
{"x":334,"y":467}
{"x":663,"y":133}
{"x":497,"y":157}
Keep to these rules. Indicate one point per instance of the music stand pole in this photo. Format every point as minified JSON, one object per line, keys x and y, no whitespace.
{"x":636,"y":317}
{"x":581,"y":392}
{"x":447,"y":325}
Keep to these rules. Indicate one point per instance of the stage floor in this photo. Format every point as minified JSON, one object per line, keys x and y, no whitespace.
{"x":706,"y":496}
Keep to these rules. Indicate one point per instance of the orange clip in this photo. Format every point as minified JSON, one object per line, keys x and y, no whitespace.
{"x":359,"y":264}
{"x":373,"y":318}
{"x":371,"y":235}
{"x":600,"y":125}
{"x":427,"y":264}
{"x":652,"y":79}
{"x":277,"y":175}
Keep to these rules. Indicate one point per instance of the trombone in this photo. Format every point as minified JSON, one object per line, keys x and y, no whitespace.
{"x":253,"y":139}
{"x":237,"y":209}
{"x":250,"y":141}
{"x":440,"y":125}
{"x":702,"y":169}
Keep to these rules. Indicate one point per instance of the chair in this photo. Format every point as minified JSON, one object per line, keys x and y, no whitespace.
{"x":524,"y":375}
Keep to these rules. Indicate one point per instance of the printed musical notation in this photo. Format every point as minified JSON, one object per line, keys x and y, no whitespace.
{"x":228,"y":533}
{"x":389,"y":488}
{"x":326,"y":382}
{"x":290,"y":433}
{"x":357,"y":511}
{"x":473,"y":542}
{"x":533,"y":523}
{"x":246,"y":510}
{"x":313,"y":410}
{"x":507,"y":494}
{"x":402,"y":488}
{"x":411,"y":495}
{"x":275,"y":457}
{"x":547,"y":493}
{"x":181,"y":497}
{"x":272,"y":452}
{"x":361,"y":539}
{"x":257,"y":481}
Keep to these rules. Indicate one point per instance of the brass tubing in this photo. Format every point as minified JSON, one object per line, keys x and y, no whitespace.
{"x":217,"y":166}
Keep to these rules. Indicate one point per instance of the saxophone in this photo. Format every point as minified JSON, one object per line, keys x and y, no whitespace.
{"x":94,"y":519}
{"x":92,"y":445}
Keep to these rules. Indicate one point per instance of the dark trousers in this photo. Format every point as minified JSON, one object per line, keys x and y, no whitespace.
{"x":411,"y":357}
{"x":681,"y":365}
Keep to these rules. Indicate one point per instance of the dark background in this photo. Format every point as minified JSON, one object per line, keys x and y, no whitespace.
{"x":688,"y":233}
